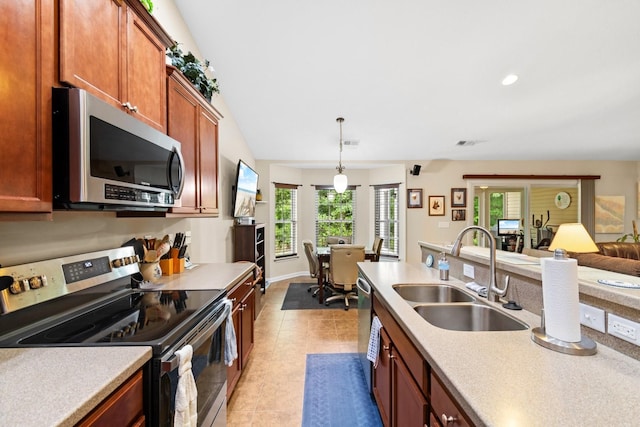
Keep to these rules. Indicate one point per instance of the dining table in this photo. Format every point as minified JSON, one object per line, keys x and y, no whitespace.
{"x":324,"y":256}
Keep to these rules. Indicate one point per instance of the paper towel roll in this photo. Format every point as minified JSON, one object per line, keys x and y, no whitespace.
{"x":560,"y":297}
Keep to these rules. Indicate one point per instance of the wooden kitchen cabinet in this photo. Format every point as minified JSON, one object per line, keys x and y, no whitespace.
{"x":405,"y":388}
{"x":124,"y":407}
{"x":193,"y":121}
{"x":115,"y":50}
{"x":400,"y":377}
{"x":444,"y":407}
{"x":243,"y":315}
{"x":28,"y":38}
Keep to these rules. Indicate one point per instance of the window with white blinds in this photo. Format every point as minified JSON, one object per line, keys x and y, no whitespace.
{"x":286,"y":220}
{"x":386,"y":218}
{"x":335,"y":213}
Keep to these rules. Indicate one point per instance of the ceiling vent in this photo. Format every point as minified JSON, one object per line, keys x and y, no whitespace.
{"x":351,"y":143}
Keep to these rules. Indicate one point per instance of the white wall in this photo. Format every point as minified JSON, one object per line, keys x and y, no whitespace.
{"x":437,"y":177}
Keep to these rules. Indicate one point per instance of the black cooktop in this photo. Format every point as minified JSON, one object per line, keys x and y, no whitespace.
{"x":134,"y":317}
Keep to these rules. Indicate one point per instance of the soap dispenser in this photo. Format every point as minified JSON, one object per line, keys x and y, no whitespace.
{"x":443,"y":266}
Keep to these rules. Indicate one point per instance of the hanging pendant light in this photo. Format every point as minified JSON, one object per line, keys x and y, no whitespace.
{"x":340,"y":179}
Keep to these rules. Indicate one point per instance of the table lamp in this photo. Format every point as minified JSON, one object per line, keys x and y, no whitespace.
{"x":560,"y":330}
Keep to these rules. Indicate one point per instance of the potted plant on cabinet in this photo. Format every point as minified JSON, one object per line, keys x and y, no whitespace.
{"x":194,"y":70}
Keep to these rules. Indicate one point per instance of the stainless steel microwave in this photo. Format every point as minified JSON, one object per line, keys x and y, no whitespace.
{"x":105,"y":159}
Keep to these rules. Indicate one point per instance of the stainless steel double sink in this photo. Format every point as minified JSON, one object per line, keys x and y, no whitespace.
{"x":448,"y":307}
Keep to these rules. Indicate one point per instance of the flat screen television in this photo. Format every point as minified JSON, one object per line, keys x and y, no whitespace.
{"x":508,"y":227}
{"x":244,"y":191}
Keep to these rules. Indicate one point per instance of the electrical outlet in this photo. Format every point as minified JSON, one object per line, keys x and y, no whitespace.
{"x":592,"y":317}
{"x":468,"y":271}
{"x":624,"y":329}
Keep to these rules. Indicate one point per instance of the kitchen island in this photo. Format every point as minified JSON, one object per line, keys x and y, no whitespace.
{"x":504,"y":378}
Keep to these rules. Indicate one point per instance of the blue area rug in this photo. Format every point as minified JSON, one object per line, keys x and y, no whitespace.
{"x":335,"y":393}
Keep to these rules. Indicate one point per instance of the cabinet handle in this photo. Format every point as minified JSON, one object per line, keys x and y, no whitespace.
{"x":448,"y":419}
{"x":391,"y":356}
{"x":130,"y":107}
{"x":385,"y":347}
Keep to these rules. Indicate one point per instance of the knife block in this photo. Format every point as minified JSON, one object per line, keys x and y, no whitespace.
{"x":178,"y":263}
{"x":167,"y":266}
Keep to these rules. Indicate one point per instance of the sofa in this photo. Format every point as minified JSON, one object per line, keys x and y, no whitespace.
{"x":620,"y":257}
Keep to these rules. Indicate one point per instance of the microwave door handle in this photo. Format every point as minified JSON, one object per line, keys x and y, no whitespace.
{"x":172,"y":363}
{"x":182,"y":172}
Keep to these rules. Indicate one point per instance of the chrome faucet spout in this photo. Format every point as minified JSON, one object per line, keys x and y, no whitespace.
{"x":493,"y":292}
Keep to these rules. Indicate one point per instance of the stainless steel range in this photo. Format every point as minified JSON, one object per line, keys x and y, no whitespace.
{"x":89,"y":300}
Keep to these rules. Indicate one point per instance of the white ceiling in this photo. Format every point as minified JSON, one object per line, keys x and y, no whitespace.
{"x":414,"y":77}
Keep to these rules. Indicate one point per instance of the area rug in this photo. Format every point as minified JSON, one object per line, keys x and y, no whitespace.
{"x":297,"y":298}
{"x":335,"y":392}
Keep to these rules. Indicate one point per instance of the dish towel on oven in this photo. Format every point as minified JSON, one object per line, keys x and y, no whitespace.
{"x":230,"y":344}
{"x":374,"y":341}
{"x":186,"y":414}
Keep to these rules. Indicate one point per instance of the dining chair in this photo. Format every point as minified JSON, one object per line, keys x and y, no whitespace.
{"x":377,"y":248}
{"x":343,"y":272}
{"x":314,"y":265}
{"x":338,"y":240}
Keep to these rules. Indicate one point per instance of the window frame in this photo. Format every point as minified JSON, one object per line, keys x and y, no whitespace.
{"x":385,"y":227}
{"x":345,"y":224}
{"x":292,"y":220}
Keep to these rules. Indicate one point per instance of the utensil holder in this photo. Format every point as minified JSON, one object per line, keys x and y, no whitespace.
{"x":151,"y":271}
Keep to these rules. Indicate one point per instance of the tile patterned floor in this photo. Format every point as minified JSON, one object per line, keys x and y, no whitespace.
{"x":270,"y":390}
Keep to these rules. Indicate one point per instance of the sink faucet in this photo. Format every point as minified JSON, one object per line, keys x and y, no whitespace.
{"x":493,"y":292}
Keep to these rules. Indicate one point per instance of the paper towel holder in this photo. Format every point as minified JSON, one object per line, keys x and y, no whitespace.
{"x":585,"y":347}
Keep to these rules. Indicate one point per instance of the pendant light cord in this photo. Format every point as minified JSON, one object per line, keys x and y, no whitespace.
{"x":340,"y":168}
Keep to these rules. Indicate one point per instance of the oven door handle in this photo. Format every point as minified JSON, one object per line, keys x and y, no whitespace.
{"x":172,"y":363}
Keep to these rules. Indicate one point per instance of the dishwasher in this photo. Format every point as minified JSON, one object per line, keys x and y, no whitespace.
{"x":364,"y":327}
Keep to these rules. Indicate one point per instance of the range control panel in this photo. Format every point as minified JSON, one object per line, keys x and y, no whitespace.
{"x":40,"y":281}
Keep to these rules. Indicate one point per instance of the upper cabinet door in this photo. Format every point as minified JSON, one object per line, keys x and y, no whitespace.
{"x":108,"y":50}
{"x":208,"y":152}
{"x":145,"y":73}
{"x":92,"y":42}
{"x":27,"y":74}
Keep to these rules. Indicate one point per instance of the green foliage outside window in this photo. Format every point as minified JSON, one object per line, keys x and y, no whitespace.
{"x":285,"y":222}
{"x":335,"y":215}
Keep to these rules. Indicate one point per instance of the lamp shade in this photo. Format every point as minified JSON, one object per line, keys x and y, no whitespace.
{"x":340,"y":183}
{"x":573,"y":237}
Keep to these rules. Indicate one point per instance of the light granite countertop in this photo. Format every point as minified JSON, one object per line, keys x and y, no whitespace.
{"x":204,"y":276}
{"x":59,"y":386}
{"x":506,"y":379}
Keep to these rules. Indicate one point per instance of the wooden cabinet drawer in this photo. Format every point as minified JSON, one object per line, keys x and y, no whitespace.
{"x":443,"y":406}
{"x":122,"y":408}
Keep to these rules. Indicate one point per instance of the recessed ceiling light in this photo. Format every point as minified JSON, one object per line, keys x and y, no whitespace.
{"x":509,"y":79}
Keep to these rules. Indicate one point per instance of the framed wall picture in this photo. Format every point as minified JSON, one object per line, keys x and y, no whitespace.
{"x":436,"y":205}
{"x":458,"y":197}
{"x":414,"y":198}
{"x":458,"y":215}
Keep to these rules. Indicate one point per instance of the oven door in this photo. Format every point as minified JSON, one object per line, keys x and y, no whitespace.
{"x":209,"y":371}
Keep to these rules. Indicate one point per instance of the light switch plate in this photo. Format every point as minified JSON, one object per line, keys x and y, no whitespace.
{"x":443,"y":224}
{"x":468,"y":271}
{"x":592,"y":317}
